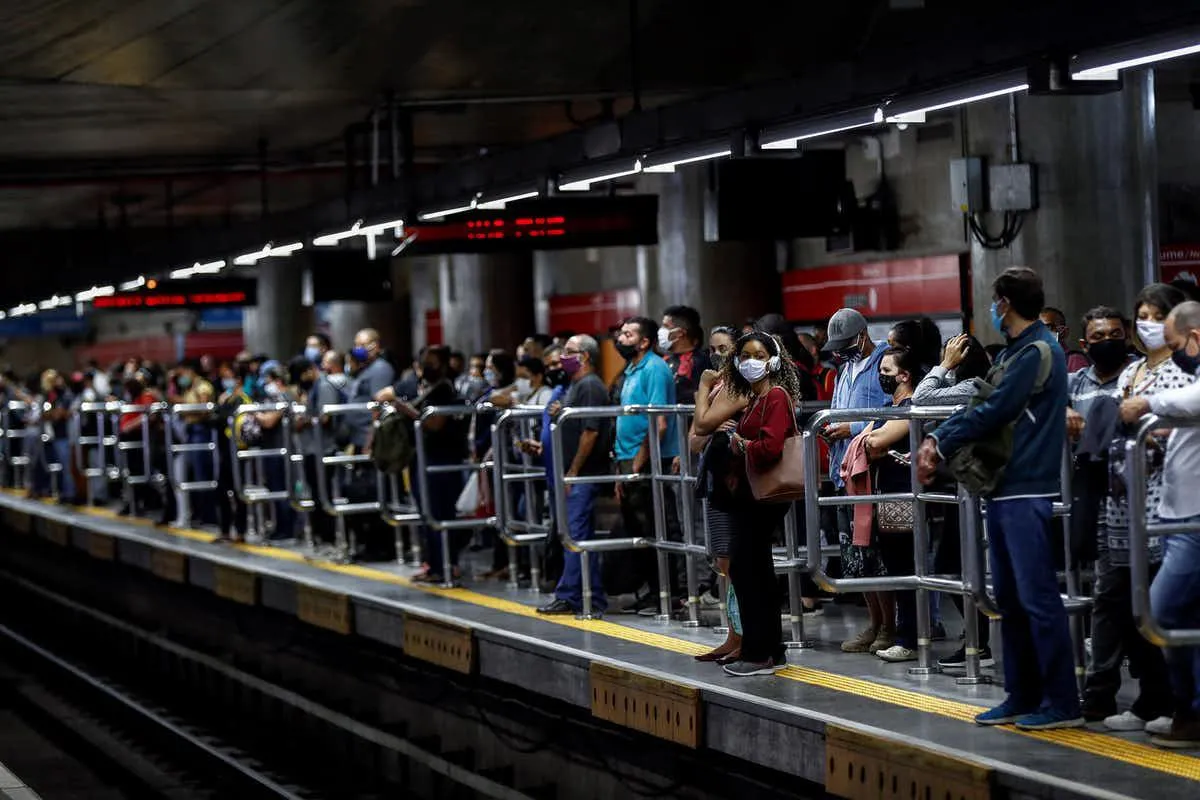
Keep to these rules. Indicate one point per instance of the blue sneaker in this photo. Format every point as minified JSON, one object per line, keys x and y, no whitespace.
{"x":1050,"y":719}
{"x":1003,"y":714}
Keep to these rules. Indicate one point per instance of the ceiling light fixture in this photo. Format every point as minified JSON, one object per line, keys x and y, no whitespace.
{"x":23,"y":310}
{"x":94,"y":292}
{"x":211,"y":268}
{"x":134,"y":285}
{"x":358,"y":229}
{"x":788,"y":136}
{"x":54,"y":301}
{"x":268,"y":251}
{"x":500,"y":203}
{"x":576,"y":182}
{"x":667,"y":162}
{"x":1105,"y":64}
{"x":908,"y":115}
{"x":447,"y":212}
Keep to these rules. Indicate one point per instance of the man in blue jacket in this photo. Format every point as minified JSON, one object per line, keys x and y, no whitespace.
{"x":1039,"y":668}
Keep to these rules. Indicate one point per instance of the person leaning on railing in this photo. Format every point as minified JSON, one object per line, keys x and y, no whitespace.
{"x":1175,"y":593}
{"x":1039,"y":665}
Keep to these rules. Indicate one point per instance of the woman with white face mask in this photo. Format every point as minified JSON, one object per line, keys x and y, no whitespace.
{"x":1114,"y":634}
{"x":763,"y":373}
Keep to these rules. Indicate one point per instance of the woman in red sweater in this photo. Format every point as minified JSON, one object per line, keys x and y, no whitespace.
{"x":764,"y":373}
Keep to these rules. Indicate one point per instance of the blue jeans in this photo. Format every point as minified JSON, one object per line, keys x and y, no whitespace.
{"x":1039,"y":667}
{"x":1175,"y":603}
{"x":581,"y":518}
{"x":204,"y":505}
{"x":62,"y":454}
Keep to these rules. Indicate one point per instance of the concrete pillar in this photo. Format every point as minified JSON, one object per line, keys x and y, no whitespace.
{"x":486,"y":301}
{"x":725,"y":281}
{"x":278,"y":324}
{"x":423,"y":294}
{"x":1094,"y":236}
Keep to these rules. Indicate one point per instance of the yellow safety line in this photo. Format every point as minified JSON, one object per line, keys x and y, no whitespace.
{"x":1106,"y":746}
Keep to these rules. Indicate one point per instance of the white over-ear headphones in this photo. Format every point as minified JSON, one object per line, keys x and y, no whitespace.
{"x":773,"y":364}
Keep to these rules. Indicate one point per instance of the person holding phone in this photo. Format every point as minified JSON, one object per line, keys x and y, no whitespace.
{"x":888,"y":448}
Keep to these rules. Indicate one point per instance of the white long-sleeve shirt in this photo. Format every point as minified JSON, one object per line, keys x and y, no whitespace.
{"x":1182,"y":464}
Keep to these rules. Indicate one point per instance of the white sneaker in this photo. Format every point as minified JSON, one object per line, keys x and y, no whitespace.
{"x":897,"y":653}
{"x":1125,"y":721}
{"x":1159,"y":727}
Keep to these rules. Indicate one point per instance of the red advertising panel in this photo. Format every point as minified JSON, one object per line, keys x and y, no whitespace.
{"x":433,"y":326}
{"x":593,"y":313}
{"x":905,"y":287}
{"x":1180,"y":261}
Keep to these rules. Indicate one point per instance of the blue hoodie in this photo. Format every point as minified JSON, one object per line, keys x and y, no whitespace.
{"x":1033,"y":470}
{"x":863,"y":391}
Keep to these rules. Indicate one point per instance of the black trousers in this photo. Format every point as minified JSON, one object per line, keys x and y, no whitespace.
{"x":896,"y":550}
{"x":1114,"y":636}
{"x":322,"y":523}
{"x":947,"y":560}
{"x":752,"y":571}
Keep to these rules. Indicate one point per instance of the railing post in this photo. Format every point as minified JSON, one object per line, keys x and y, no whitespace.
{"x":925,"y":664}
{"x":660,"y":520}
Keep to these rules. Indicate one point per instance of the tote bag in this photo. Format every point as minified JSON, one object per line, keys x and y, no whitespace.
{"x":784,"y":481}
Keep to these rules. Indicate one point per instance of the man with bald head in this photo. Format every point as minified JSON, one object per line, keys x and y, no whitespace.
{"x":1175,"y":593}
{"x":374,"y":374}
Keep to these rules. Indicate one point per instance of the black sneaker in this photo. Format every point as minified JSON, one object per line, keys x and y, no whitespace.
{"x":959,"y":659}
{"x":557,"y":607}
{"x":748,"y":669}
{"x":1184,"y":734}
{"x":640,"y":604}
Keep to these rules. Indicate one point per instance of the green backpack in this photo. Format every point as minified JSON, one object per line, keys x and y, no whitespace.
{"x":392,"y":448}
{"x":979,"y":466}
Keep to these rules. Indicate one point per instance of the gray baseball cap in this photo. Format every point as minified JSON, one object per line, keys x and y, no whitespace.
{"x":844,"y":328}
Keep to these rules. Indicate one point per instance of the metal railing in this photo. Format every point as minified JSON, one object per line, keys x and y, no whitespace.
{"x":249,"y":481}
{"x":443,"y":528}
{"x":330,"y":491}
{"x":530,"y":530}
{"x":1140,"y":532}
{"x":175,"y":415}
{"x":140,"y":445}
{"x":102,"y":444}
{"x":16,"y":446}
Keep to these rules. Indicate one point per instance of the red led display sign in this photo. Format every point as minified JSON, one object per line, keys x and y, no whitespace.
{"x":556,"y":223}
{"x":182,"y":295}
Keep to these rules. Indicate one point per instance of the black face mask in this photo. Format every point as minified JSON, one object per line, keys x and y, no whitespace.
{"x":306,"y":383}
{"x":718,"y":361}
{"x":555,"y":378}
{"x":1108,"y":355}
{"x":889,"y":383}
{"x":431,"y":374}
{"x":1189,"y":364}
{"x":627,"y":351}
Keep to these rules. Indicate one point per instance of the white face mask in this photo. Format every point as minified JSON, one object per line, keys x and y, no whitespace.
{"x":752,"y":369}
{"x":664,"y":338}
{"x":524,"y":387}
{"x":1151,"y":333}
{"x":338,"y":380}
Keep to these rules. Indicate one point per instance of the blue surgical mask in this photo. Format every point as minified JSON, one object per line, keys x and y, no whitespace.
{"x":491,"y":377}
{"x":997,"y":318}
{"x":228,"y":384}
{"x":360,"y":354}
{"x":312,"y":355}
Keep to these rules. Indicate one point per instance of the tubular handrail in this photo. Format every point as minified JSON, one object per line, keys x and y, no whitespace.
{"x":104,"y":441}
{"x":179,"y":483}
{"x":1140,"y":532}
{"x":516,"y":532}
{"x":240,"y":456}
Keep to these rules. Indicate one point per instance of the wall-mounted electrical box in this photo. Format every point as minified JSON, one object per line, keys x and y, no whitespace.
{"x":1012,"y":187}
{"x":966,"y":185}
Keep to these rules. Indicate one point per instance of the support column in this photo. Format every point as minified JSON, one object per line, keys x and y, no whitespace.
{"x":1094,"y":236}
{"x":423,"y":295}
{"x":725,"y":281}
{"x":486,"y":300}
{"x":278,"y":324}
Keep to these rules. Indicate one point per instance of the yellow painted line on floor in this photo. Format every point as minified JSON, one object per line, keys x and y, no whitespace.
{"x":1103,"y":745}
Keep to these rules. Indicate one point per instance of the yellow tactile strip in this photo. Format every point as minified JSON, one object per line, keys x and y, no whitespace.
{"x":1105,"y":746}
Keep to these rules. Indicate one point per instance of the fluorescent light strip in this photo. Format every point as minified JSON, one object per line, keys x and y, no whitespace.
{"x":789,"y":143}
{"x":211,"y":268}
{"x":962,"y":101}
{"x":493,"y":205}
{"x":94,"y":292}
{"x":358,"y":229}
{"x":129,"y":286}
{"x":446,"y":212}
{"x":268,"y":251}
{"x":583,"y":185}
{"x":23,"y":310}
{"x":671,"y":165}
{"x":54,"y":302}
{"x":1108,"y":71}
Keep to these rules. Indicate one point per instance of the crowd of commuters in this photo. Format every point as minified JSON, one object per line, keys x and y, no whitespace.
{"x":1038,"y":390}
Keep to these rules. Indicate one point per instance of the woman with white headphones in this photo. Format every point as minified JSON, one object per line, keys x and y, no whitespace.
{"x":762,"y":372}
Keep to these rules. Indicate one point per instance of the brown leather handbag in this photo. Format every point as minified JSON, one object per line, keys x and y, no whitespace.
{"x":783,"y":482}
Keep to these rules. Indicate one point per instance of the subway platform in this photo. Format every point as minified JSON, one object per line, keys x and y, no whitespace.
{"x":841,"y":721}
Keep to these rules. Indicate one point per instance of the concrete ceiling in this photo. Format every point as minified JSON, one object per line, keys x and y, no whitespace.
{"x":164,"y":115}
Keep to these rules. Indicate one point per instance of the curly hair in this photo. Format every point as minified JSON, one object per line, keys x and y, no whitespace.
{"x":786,"y":376}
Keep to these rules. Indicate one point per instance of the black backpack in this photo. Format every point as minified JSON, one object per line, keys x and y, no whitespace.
{"x":392,"y":449}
